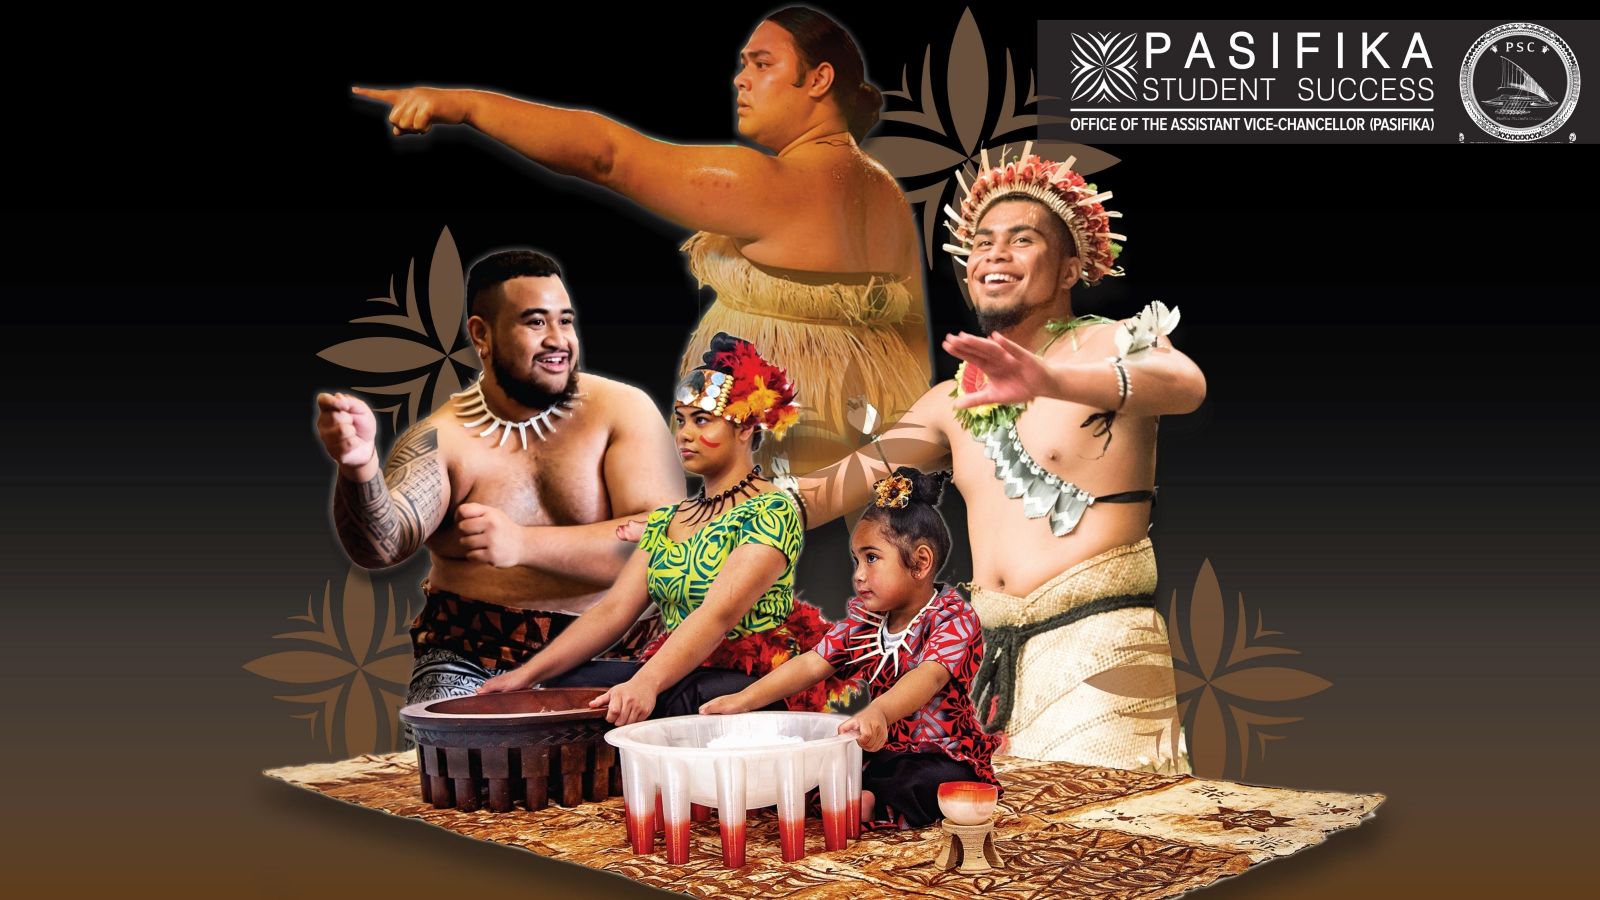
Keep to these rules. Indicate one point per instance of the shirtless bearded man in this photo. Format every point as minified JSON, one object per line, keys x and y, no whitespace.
{"x":1063,"y":573}
{"x":519,"y":508}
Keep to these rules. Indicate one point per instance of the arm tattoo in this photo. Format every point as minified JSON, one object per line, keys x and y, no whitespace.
{"x":380,"y":527}
{"x":417,"y":443}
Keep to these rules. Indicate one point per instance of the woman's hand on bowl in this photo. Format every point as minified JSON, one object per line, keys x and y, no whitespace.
{"x":626,"y":703}
{"x":518,"y":679}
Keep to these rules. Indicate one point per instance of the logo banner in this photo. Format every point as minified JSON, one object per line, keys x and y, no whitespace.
{"x":1315,"y":82}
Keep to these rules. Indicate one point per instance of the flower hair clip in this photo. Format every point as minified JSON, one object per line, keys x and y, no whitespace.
{"x":893,"y":492}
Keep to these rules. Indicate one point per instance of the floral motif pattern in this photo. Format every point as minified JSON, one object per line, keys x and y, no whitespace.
{"x":1257,"y":819}
{"x":354,"y":663}
{"x":1104,"y":67}
{"x":1221,"y":694}
{"x":415,"y":352}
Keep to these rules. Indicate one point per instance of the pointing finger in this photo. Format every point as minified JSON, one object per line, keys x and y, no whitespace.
{"x":378,"y":94}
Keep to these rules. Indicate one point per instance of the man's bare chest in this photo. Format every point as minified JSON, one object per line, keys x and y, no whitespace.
{"x":551,"y":482}
{"x":1064,"y":440}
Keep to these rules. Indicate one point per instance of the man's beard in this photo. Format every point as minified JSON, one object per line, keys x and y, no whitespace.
{"x":527,"y":393}
{"x":999,"y":320}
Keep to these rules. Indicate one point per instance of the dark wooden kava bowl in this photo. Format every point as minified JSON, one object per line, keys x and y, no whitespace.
{"x":494,"y":749}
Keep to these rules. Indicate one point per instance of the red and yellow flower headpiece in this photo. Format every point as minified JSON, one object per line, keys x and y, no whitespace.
{"x":737,"y":384}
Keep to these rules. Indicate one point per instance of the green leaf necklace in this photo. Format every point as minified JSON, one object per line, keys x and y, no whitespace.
{"x":980,"y":420}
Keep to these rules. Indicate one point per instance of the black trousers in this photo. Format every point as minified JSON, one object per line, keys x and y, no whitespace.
{"x":909,"y":783}
{"x":701,"y":686}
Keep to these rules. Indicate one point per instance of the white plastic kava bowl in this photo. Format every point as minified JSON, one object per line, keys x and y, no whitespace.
{"x":670,"y":758}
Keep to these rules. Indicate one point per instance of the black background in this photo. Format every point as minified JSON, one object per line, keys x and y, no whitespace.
{"x":1392,"y":466}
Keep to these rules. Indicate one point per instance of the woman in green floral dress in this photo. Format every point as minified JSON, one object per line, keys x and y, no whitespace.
{"x":719,"y":566}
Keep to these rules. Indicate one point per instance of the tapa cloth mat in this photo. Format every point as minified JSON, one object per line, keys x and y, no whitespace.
{"x":1061,"y":830}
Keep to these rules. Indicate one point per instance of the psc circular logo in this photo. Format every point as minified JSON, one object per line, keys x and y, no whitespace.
{"x":1520,"y":82}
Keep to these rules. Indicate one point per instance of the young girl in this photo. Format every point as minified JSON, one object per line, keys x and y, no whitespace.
{"x":916,"y":644}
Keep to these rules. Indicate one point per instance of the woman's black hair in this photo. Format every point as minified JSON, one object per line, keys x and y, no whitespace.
{"x":723,"y":342}
{"x":919,"y":521}
{"x":820,"y":39}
